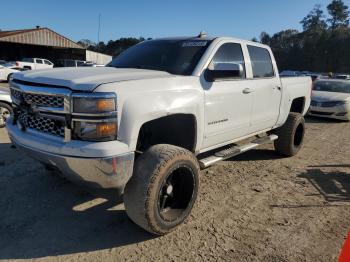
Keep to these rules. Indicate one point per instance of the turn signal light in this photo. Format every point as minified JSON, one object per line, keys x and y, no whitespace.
{"x":106,"y":129}
{"x":105,"y":105}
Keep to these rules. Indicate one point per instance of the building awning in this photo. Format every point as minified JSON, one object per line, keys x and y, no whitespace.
{"x":38,"y":36}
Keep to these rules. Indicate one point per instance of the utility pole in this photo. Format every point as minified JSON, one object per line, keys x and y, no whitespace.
{"x":98,"y":36}
{"x":99,"y":27}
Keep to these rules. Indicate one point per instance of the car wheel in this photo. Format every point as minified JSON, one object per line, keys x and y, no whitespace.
{"x":163,"y":189}
{"x":5,"y":113}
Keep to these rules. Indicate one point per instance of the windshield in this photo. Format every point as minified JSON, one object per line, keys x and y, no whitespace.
{"x":333,"y":86}
{"x":178,"y":57}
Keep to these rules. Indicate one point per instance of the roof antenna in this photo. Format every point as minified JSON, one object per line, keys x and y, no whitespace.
{"x":202,"y":34}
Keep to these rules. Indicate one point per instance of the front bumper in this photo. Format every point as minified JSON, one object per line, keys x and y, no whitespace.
{"x":338,"y":112}
{"x":103,"y":172}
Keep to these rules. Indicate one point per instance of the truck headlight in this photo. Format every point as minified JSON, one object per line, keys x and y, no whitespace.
{"x":94,"y":103}
{"x":95,"y":131}
{"x":94,"y":116}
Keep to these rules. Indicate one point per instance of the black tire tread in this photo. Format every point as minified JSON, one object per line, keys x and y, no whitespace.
{"x":285,"y":134}
{"x":138,"y":197}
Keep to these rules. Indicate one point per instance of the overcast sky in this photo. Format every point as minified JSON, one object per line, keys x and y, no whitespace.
{"x":78,"y":19}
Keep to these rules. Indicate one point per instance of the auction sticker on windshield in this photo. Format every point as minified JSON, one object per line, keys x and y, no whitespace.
{"x":194,"y":43}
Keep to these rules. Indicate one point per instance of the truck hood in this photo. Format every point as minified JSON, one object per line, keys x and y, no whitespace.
{"x":321,"y":96}
{"x":86,"y":79}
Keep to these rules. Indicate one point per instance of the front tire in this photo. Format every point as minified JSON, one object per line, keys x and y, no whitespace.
{"x":290,"y":135}
{"x":163,"y":189}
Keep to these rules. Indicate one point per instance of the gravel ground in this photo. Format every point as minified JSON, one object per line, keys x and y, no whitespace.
{"x":255,"y":207}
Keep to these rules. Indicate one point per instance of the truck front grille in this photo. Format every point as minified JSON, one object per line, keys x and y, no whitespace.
{"x":38,"y":99}
{"x":42,"y":124}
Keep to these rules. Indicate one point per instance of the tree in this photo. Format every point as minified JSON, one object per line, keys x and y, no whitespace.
{"x":286,"y":47}
{"x":339,"y":14}
{"x":113,"y":47}
{"x":265,"y":38}
{"x":86,"y":43}
{"x":314,"y":21}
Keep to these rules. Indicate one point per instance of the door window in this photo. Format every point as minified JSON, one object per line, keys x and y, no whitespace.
{"x":230,"y":53}
{"x":39,"y":61}
{"x":261,"y":62}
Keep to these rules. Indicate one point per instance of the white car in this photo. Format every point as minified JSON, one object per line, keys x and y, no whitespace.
{"x":139,"y":126}
{"x":34,"y":63}
{"x":5,"y":107}
{"x":6,"y":72}
{"x":331,"y":99}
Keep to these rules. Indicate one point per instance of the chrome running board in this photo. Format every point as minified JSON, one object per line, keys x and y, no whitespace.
{"x":235,"y":150}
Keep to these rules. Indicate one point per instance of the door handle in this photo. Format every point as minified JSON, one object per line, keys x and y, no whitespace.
{"x":247,"y":91}
{"x":277,"y":87}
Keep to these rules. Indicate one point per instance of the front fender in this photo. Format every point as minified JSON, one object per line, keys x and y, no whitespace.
{"x":142,"y":108}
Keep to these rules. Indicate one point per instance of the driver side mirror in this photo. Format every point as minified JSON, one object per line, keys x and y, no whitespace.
{"x":224,"y":71}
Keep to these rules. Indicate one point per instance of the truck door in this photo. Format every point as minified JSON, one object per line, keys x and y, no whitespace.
{"x":266,"y":87}
{"x":39,"y":64}
{"x":228,"y":102}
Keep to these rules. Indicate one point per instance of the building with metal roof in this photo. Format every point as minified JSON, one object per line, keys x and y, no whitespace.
{"x":39,"y":42}
{"x":38,"y":36}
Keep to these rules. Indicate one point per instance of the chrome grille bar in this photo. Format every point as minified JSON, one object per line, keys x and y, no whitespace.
{"x":48,"y":106}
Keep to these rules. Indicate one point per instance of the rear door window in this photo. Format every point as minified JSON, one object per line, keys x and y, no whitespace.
{"x":261,"y":62}
{"x":39,"y":61}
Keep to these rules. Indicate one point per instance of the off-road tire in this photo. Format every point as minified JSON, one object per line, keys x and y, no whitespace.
{"x":290,"y":135}
{"x":141,"y":194}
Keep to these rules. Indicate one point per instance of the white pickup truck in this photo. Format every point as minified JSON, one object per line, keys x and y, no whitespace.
{"x":34,"y":63}
{"x":145,"y":124}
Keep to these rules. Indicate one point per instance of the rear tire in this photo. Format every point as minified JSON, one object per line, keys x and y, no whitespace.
{"x":163,"y":189}
{"x":290,"y":135}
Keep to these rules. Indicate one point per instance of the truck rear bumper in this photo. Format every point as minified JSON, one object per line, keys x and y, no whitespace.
{"x":107,"y":172}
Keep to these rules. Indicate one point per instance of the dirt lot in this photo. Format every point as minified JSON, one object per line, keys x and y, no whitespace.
{"x":255,"y":207}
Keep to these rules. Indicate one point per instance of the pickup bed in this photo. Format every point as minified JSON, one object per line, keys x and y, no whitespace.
{"x":145,"y":124}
